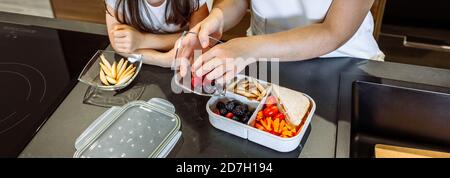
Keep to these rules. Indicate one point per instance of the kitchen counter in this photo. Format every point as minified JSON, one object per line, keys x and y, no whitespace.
{"x":319,"y":78}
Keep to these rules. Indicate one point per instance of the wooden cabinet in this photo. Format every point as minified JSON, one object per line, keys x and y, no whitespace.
{"x":94,"y":11}
{"x":83,"y":10}
{"x":378,"y":13}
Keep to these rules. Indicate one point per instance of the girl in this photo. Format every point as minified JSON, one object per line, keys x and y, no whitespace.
{"x":151,"y":27}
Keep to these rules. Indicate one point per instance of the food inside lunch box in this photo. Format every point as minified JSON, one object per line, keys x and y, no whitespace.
{"x":117,"y":73}
{"x":202,"y":84}
{"x":248,"y":87}
{"x":274,"y":119}
{"x":234,"y":110}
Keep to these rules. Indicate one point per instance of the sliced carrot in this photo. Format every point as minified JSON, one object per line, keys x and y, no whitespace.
{"x":269,"y":122}
{"x":282,"y":125}
{"x":260,"y":113}
{"x":294,"y":130}
{"x":263,"y":123}
{"x":287,"y":133}
{"x":288,"y":126}
{"x":259,"y":118}
{"x":259,"y":126}
{"x":276,"y":125}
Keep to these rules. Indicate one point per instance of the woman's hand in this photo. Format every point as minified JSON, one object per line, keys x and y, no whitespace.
{"x":126,"y":38}
{"x":212,"y":26}
{"x":223,"y":62}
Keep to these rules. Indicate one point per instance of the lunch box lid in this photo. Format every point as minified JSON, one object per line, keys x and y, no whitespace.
{"x":137,"y":130}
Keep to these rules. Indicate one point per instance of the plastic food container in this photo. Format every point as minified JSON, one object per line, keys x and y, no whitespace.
{"x":185,"y":83}
{"x":91,"y":72}
{"x":136,"y":130}
{"x":247,"y":131}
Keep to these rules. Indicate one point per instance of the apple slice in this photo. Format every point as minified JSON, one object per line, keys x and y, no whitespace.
{"x":125,"y":78}
{"x":122,"y":69}
{"x":105,"y":69}
{"x":114,"y":70}
{"x":103,"y":78}
{"x":105,"y":62}
{"x":111,"y":80}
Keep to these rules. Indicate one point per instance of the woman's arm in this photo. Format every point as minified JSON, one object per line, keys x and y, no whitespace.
{"x":216,"y":23}
{"x":342,"y":21}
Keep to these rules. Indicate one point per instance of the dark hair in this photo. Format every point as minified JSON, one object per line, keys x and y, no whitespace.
{"x":178,"y":12}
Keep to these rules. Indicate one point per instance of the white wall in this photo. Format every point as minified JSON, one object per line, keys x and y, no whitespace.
{"x":28,"y":7}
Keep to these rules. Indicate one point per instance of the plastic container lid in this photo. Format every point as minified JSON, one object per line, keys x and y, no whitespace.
{"x":137,"y":130}
{"x":194,"y":51}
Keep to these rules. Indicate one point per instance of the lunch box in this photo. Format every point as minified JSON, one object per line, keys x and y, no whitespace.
{"x":247,"y":131}
{"x":91,"y":72}
{"x":137,"y":130}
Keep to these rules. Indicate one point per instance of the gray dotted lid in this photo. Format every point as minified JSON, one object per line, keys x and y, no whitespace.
{"x":138,"y":130}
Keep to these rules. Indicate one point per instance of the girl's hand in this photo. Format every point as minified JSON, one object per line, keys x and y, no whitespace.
{"x":223,"y":62}
{"x":126,"y":38}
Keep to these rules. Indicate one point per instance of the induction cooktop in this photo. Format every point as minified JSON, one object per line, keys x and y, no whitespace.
{"x":38,"y":68}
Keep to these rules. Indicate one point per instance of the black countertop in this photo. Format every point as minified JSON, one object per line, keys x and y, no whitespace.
{"x":319,"y":78}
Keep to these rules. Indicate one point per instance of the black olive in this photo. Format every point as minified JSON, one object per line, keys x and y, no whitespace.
{"x":240,"y":110}
{"x":220,"y":105}
{"x":223,"y":111}
{"x":249,"y":113}
{"x":245,"y":119}
{"x":230,"y":106}
{"x":237,"y":103}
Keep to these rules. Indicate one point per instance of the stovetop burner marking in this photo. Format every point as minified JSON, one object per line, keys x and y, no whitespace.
{"x":36,"y":70}
{"x":24,"y":77}
{"x":7,"y":117}
{"x":15,"y":124}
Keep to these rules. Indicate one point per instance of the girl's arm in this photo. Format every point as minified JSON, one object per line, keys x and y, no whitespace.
{"x":154,"y":57}
{"x":164,"y":59}
{"x":127,"y":39}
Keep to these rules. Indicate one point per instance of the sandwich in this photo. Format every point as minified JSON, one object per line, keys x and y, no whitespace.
{"x":295,"y":104}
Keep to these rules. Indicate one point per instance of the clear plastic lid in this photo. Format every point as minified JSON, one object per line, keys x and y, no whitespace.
{"x":186,"y":55}
{"x":138,"y":130}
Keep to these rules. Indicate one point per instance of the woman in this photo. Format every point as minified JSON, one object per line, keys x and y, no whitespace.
{"x":151,"y":27}
{"x":290,"y":30}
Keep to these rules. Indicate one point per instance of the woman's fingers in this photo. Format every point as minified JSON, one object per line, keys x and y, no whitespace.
{"x":184,"y":66}
{"x":217,"y":72}
{"x":204,"y":34}
{"x":209,"y":66}
{"x":221,"y":67}
{"x":226,"y":78}
{"x":204,"y":58}
{"x":208,"y":29}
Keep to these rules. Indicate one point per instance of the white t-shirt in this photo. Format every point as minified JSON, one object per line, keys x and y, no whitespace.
{"x":156,"y":14}
{"x":271,"y":16}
